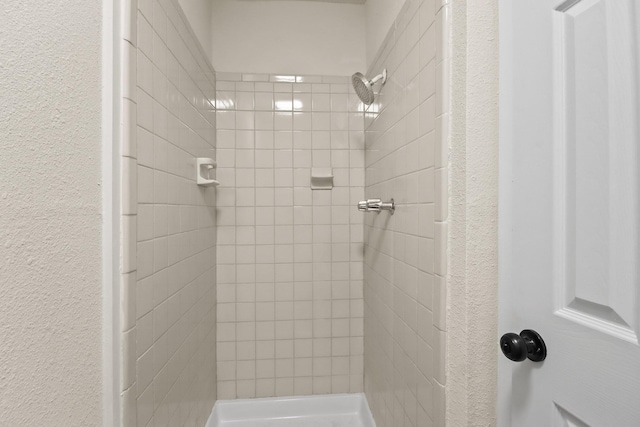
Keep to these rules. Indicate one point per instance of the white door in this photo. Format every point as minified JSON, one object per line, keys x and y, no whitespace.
{"x":569,"y":210}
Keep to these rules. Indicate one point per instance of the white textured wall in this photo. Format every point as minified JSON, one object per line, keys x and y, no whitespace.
{"x":473,"y":296}
{"x":291,"y":37}
{"x":50,"y":268}
{"x":380,"y":16}
{"x":199,"y":13}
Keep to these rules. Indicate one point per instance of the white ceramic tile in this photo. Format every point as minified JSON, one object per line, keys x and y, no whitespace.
{"x":144,"y":110}
{"x":144,"y":34}
{"x":129,"y":70}
{"x":129,"y":21}
{"x":159,"y":20}
{"x":283,"y":121}
{"x":129,"y":260}
{"x":321,"y":102}
{"x":129,"y":186}
{"x":129,"y":128}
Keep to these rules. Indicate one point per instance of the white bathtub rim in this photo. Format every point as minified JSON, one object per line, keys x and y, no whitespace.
{"x":274,"y":408}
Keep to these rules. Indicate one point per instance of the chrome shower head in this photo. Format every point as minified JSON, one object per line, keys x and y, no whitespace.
{"x":364,"y":86}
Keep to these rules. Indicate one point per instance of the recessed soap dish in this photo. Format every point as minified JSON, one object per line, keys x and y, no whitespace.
{"x":321,"y":178}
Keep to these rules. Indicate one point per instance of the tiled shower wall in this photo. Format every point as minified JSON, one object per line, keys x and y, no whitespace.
{"x":405,"y":263}
{"x":169,"y":275}
{"x":290,"y":304}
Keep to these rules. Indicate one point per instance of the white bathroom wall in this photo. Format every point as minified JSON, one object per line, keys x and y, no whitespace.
{"x":50,"y":214}
{"x":406,"y":255}
{"x":290,"y":303}
{"x":380,"y":16}
{"x":199,"y":13}
{"x":473,"y":291}
{"x":291,"y":37}
{"x":169,"y":235}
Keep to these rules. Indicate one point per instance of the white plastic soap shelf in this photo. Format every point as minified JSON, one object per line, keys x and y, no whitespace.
{"x":204,"y":166}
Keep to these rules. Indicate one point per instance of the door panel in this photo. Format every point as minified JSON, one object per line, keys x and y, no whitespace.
{"x":569,"y":210}
{"x":596,"y":113}
{"x":564,"y":418}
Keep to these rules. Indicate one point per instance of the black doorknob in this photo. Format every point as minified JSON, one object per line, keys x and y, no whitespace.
{"x":529,"y":344}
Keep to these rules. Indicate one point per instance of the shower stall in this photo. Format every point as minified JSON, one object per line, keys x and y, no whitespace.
{"x":284,"y":235}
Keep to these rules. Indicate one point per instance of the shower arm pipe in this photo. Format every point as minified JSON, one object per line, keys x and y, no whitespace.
{"x":382,"y":76}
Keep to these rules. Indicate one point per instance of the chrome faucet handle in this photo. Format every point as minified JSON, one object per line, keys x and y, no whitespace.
{"x":374,"y":205}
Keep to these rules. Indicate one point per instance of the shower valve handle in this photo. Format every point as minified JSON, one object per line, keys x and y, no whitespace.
{"x":376,"y":205}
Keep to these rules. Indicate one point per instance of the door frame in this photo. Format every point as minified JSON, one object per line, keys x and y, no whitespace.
{"x":505,"y":316}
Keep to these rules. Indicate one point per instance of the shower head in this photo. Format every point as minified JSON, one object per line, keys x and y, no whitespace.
{"x":364,"y":86}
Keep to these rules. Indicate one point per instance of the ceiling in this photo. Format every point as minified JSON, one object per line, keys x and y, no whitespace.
{"x":330,"y":1}
{"x":340,"y":1}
